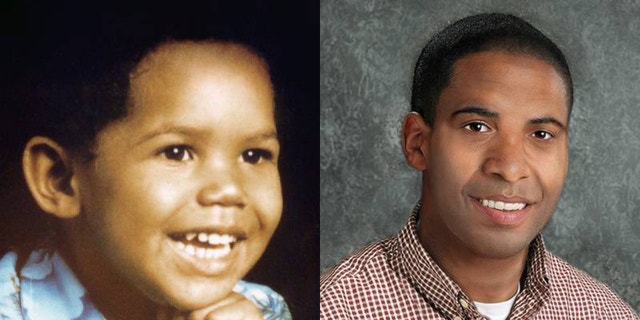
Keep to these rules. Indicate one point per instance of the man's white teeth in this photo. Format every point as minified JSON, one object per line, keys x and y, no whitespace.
{"x":505,"y":206}
{"x":202,"y":253}
{"x":211,"y":238}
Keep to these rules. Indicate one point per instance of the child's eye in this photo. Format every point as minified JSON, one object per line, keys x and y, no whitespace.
{"x":177,"y":153}
{"x":255,"y":156}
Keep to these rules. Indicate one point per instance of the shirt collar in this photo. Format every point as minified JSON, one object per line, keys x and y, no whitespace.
{"x":46,"y":277}
{"x":47,"y":287}
{"x":410,"y":260}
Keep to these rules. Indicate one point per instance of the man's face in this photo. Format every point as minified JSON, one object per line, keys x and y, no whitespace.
{"x":497,"y":154}
{"x":184,"y":193}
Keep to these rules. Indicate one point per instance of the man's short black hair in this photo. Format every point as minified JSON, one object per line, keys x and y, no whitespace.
{"x":478,"y":33}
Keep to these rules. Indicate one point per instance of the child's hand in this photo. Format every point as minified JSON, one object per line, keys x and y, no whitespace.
{"x":234,"y":307}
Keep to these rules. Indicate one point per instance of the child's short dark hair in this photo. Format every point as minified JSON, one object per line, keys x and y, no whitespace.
{"x":482,"y":32}
{"x":79,"y":82}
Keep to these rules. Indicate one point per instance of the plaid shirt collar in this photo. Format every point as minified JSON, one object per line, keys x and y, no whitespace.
{"x":413,"y":262}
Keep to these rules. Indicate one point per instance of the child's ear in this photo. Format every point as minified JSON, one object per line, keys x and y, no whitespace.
{"x":415,"y":141}
{"x":49,"y":173}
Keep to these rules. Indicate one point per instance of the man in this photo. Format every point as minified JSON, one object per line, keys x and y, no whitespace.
{"x":491,"y":101}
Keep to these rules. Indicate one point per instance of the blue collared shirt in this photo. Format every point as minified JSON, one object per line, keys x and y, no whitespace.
{"x":45,"y":288}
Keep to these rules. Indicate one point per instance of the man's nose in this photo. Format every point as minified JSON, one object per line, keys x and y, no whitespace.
{"x":221,"y":184}
{"x":506,"y":159}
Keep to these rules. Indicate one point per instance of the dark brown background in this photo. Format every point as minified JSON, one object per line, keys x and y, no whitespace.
{"x":285,"y":32}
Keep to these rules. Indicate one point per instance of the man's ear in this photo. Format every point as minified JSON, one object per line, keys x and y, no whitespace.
{"x":49,"y":173}
{"x":415,"y":141}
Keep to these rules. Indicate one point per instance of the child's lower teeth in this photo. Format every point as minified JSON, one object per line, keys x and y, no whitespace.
{"x":204,"y":253}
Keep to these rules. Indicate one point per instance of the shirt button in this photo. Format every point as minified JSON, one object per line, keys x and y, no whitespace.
{"x":464,"y":303}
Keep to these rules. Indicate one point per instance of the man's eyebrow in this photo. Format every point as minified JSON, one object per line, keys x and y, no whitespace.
{"x":476,"y":110}
{"x":491,"y":114}
{"x":548,"y":120}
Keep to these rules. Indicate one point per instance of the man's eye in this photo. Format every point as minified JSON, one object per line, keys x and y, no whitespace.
{"x":476,"y":127}
{"x":255,"y":156}
{"x":177,"y":153}
{"x":543,"y":135}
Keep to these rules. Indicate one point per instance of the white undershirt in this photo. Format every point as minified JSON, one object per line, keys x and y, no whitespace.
{"x":499,"y":310}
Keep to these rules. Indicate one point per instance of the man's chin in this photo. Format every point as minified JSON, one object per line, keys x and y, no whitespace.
{"x":502,"y":247}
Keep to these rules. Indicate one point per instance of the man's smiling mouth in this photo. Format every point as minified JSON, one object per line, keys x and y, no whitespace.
{"x":205,"y":245}
{"x":503,"y":206}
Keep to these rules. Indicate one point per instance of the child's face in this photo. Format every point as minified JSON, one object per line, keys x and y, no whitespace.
{"x":184,"y":193}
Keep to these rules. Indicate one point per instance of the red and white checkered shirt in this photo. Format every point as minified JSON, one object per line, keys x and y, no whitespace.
{"x":397,"y":279}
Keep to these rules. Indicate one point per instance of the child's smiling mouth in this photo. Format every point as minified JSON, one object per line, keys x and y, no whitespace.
{"x":205,"y":245}
{"x":207,"y":251}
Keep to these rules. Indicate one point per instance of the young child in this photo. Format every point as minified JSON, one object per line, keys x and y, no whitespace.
{"x":167,"y":204}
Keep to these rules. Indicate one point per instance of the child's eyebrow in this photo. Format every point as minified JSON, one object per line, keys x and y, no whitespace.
{"x":261,"y":136}
{"x":180,"y":130}
{"x":270,"y":134}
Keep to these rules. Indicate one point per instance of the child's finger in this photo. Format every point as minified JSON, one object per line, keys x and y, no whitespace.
{"x":234,"y":307}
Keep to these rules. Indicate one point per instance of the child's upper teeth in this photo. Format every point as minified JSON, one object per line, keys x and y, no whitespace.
{"x":220,"y":239}
{"x":210,"y":238}
{"x":505,"y":206}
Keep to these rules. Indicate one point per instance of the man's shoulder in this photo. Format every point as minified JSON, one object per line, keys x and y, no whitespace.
{"x":576,"y":287}
{"x":565,"y":276}
{"x":356,"y":267}
{"x":363,"y":279}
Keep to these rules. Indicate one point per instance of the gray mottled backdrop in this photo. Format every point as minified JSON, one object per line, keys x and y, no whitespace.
{"x":368,"y":49}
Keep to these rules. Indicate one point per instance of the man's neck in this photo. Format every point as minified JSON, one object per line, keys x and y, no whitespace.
{"x":482,"y":279}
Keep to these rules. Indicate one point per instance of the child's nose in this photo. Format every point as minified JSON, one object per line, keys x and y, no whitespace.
{"x":222,"y":186}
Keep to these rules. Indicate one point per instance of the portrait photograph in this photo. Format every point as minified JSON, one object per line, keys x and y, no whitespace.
{"x":159,"y":160}
{"x":376,"y":75}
